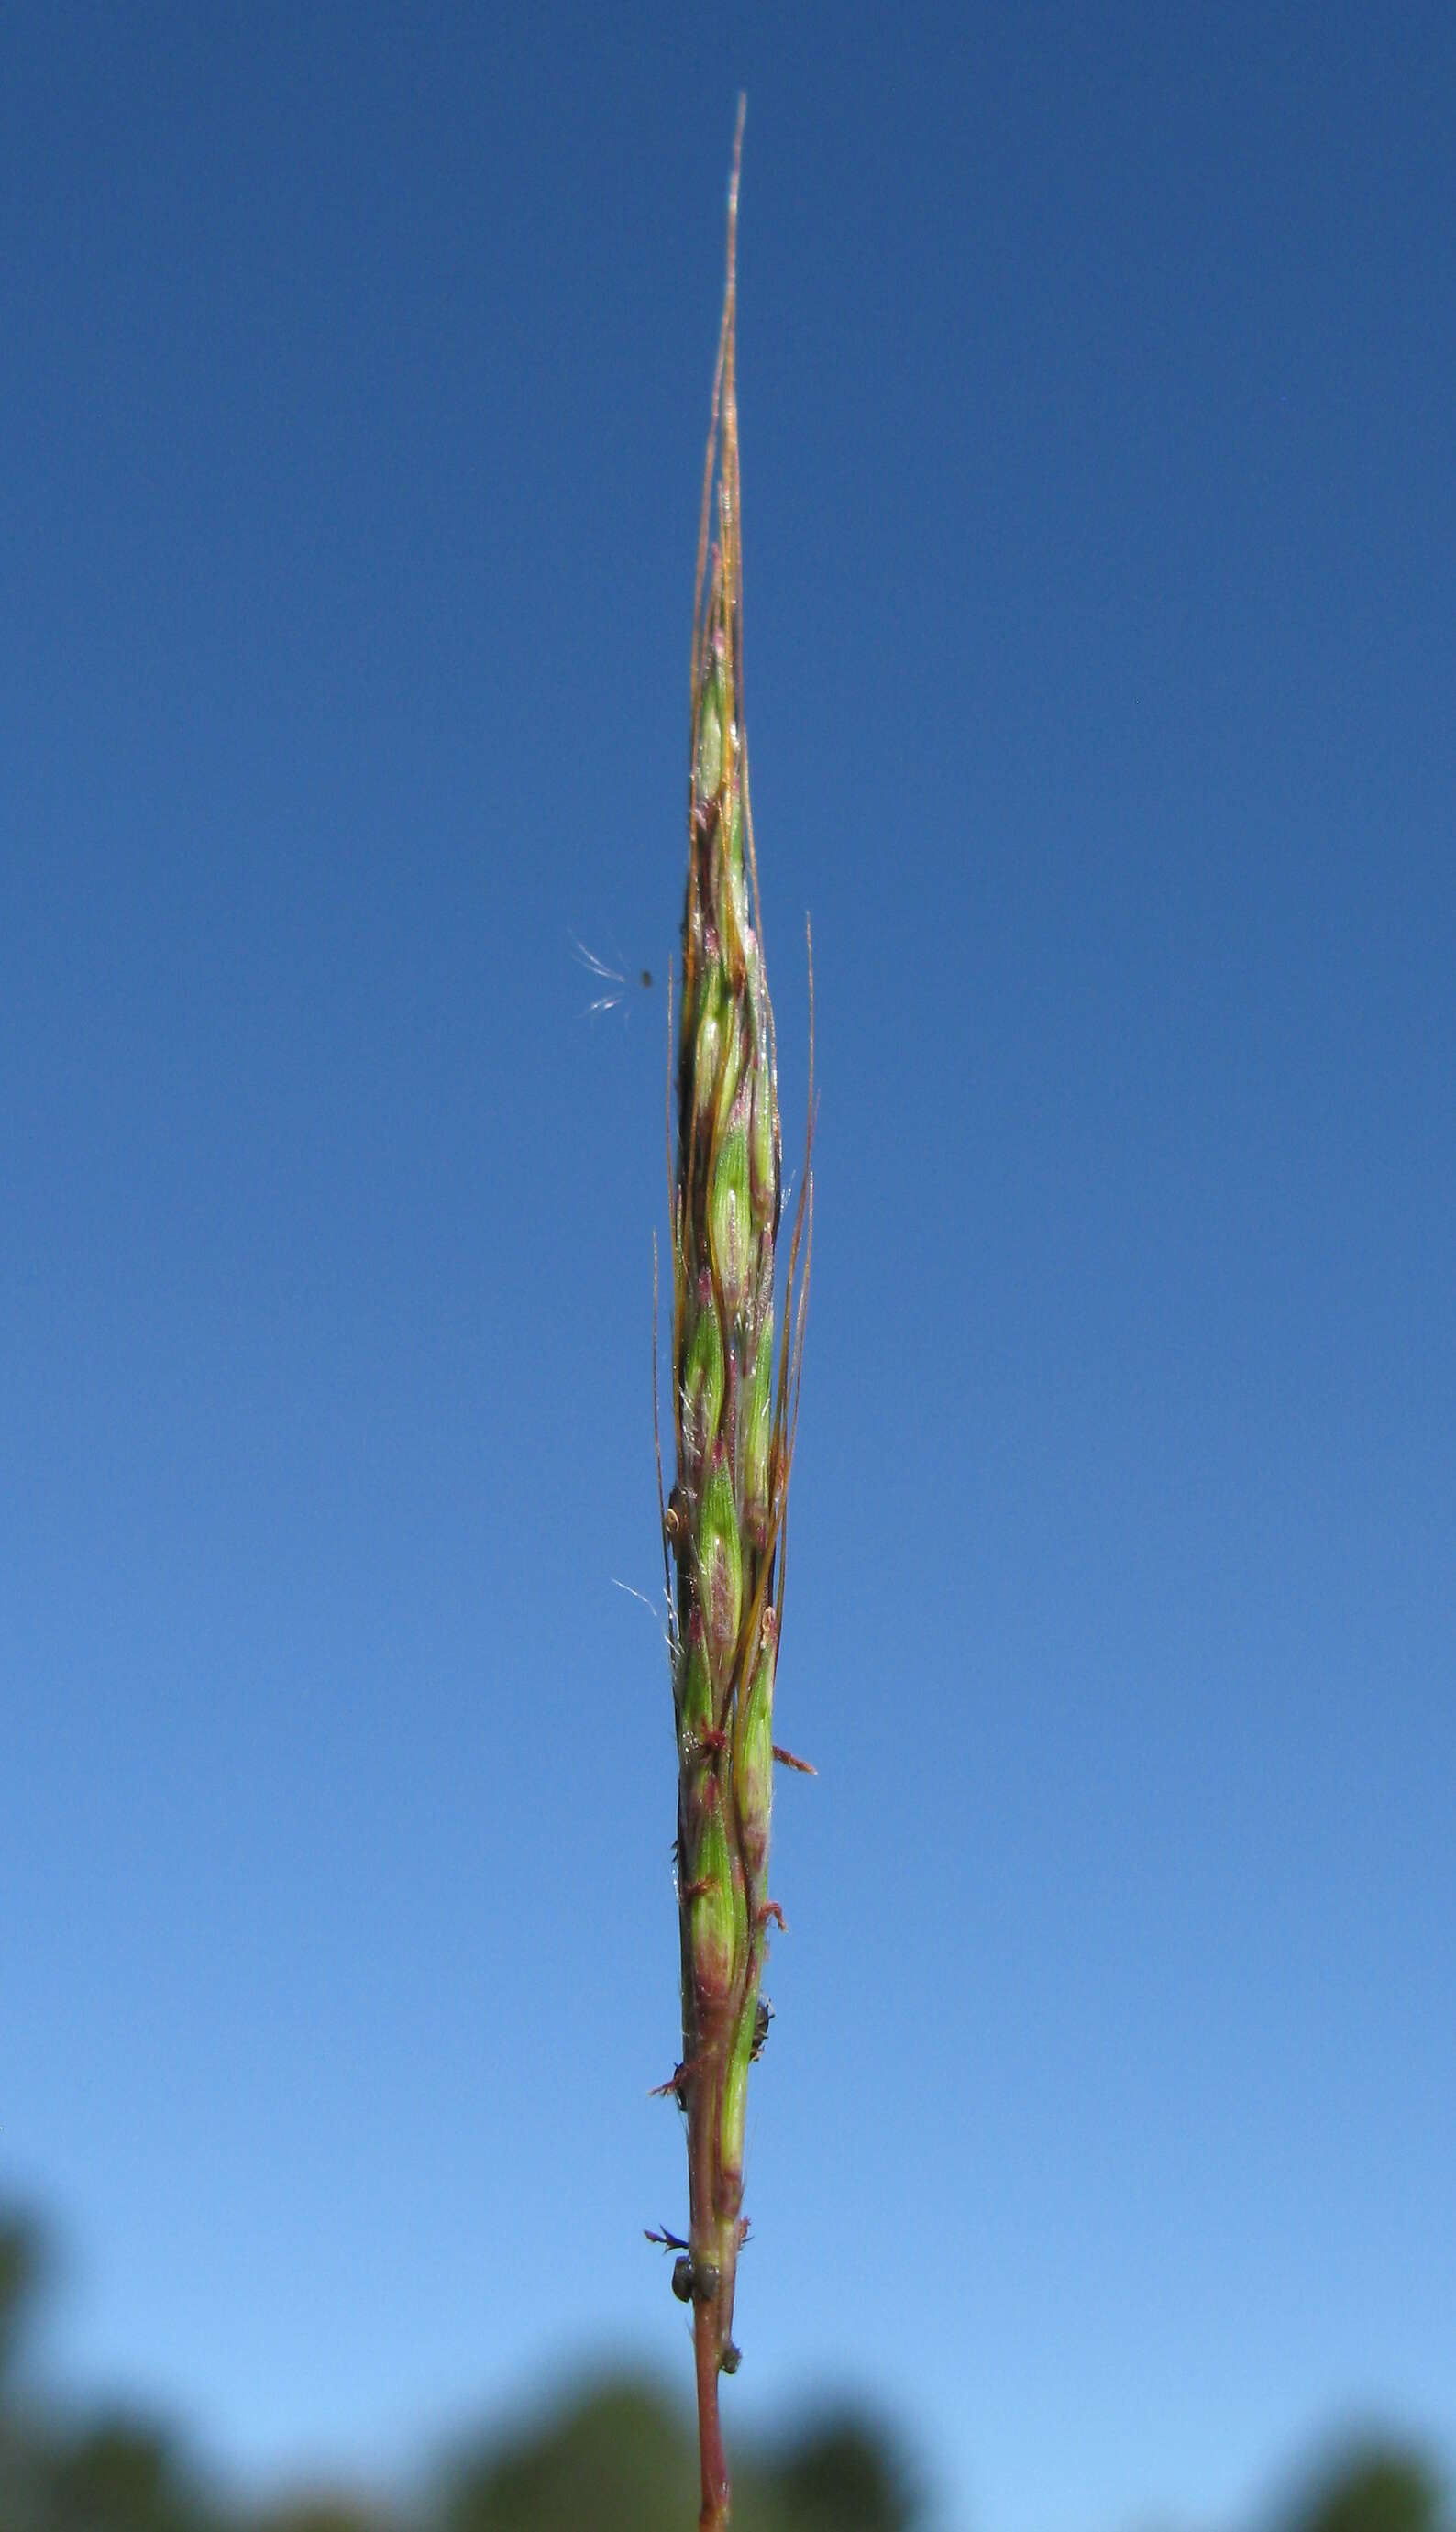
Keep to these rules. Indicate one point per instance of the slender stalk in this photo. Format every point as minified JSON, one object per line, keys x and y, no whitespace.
{"x":713,"y":2459}
{"x":735,"y":1404}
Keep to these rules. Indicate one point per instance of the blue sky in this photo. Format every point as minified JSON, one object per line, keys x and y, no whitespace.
{"x":1096,"y":369}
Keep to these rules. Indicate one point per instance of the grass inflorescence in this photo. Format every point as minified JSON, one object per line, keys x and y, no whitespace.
{"x":735,"y":1401}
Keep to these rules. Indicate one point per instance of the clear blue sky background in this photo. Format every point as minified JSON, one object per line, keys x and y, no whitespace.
{"x":1097,"y":373}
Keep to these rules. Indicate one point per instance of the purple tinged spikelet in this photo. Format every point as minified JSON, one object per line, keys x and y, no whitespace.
{"x":703,"y":1382}
{"x":715,"y":1915}
{"x":756,"y":1418}
{"x":695,"y":1692}
{"x":720,"y":1559}
{"x":752,"y":1764}
{"x":731,"y":1224}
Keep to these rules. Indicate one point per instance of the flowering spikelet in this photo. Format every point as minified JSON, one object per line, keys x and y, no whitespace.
{"x":734,"y":1405}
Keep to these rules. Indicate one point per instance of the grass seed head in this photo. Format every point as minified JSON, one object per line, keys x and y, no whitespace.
{"x":735,"y":1394}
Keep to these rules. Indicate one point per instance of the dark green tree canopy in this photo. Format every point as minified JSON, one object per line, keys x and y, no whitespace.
{"x":845,"y":2477}
{"x":1376,"y":2487}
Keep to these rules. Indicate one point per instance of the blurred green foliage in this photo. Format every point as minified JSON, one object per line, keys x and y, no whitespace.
{"x":619,"y":2442}
{"x":615,"y":2457}
{"x":624,"y":2461}
{"x":844,"y":2474}
{"x":120,"y":2475}
{"x":20,"y":2272}
{"x":1377,"y":2488}
{"x":324,"y":2515}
